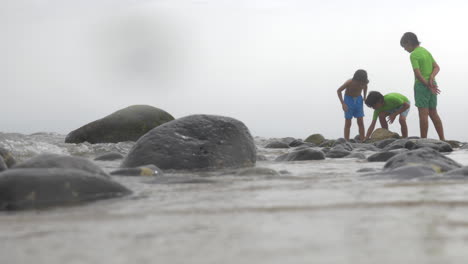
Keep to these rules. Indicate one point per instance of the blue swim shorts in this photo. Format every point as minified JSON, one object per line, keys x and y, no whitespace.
{"x":355,"y":107}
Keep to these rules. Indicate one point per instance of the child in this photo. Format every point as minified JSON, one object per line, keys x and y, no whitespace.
{"x":353,"y":103}
{"x":391,"y":105}
{"x":425,"y":87}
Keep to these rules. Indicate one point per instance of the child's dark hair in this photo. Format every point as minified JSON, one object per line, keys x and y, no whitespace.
{"x":360,"y":75}
{"x":409,"y":37}
{"x":373,"y":98}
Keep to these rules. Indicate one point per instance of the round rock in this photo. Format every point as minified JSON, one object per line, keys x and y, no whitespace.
{"x":195,"y":142}
{"x":423,"y":156}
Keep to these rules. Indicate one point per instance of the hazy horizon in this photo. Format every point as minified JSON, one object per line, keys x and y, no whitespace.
{"x":274,"y":65}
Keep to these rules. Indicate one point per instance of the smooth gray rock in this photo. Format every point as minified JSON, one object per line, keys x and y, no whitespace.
{"x":343,"y":143}
{"x":317,"y":139}
{"x":304,"y":154}
{"x":62,"y":161}
{"x":297,"y":143}
{"x":338,"y":151}
{"x":3,"y":166}
{"x":38,"y":188}
{"x":367,"y":170}
{"x":458,"y":172}
{"x":195,"y":142}
{"x":398,"y":144}
{"x":385,"y":155}
{"x":356,"y":155}
{"x":407,"y":172}
{"x":261,"y":158}
{"x":7,"y":157}
{"x":383,"y":143}
{"x":465,"y":146}
{"x":364,"y":147}
{"x":109,"y":156}
{"x":147,"y":170}
{"x":423,"y":156}
{"x":277,"y":144}
{"x":127,"y":124}
{"x":435,"y":144}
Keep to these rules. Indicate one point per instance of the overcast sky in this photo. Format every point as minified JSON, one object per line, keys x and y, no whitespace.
{"x":273,"y":64}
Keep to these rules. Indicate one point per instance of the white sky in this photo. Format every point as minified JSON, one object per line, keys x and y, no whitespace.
{"x":275,"y":65}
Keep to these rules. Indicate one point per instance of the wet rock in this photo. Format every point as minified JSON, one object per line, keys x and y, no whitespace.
{"x":364,"y":147}
{"x":356,"y":155}
{"x":127,"y":124}
{"x":423,"y":156}
{"x":465,"y":146}
{"x":277,"y":144}
{"x":109,"y":156}
{"x":7,"y":157}
{"x":454,"y":143}
{"x":327,"y":143}
{"x":147,"y":170}
{"x":399,"y":144}
{"x":3,"y":165}
{"x":458,"y":172}
{"x":38,"y":188}
{"x":304,"y":154}
{"x":257,"y":171}
{"x":382,"y":133}
{"x":317,"y":139}
{"x":383,"y":143}
{"x":195,"y":142}
{"x":338,"y":151}
{"x":385,"y":155}
{"x":435,"y":144}
{"x":367,"y":170}
{"x":343,"y":143}
{"x":261,"y":158}
{"x":296,"y":143}
{"x":62,"y":161}
{"x":408,"y":172}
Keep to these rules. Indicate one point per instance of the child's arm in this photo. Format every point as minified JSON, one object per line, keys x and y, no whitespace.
{"x":370,"y":129}
{"x":340,"y":96}
{"x":435,"y":71}
{"x":393,"y":116}
{"x":418,"y":75}
{"x":365,"y":92}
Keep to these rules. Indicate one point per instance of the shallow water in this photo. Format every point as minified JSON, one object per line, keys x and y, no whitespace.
{"x":317,"y":212}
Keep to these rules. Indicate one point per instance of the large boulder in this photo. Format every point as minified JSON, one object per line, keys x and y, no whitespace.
{"x":435,"y":144}
{"x":381,"y":134}
{"x":39,"y":188}
{"x":303,"y":154}
{"x":425,"y":157}
{"x":62,"y":161}
{"x":317,"y":139}
{"x":7,"y":157}
{"x":128,"y":124}
{"x":195,"y":142}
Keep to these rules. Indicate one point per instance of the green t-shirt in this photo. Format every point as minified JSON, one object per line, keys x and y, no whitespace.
{"x":422,"y":59}
{"x":391,"y":101}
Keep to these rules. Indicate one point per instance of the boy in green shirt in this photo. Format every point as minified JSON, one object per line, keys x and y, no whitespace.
{"x":388,"y":107}
{"x":425,"y":87}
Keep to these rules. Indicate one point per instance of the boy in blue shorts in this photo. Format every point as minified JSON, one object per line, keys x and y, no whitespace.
{"x":352,"y":103}
{"x":425,"y":87}
{"x":386,"y":109}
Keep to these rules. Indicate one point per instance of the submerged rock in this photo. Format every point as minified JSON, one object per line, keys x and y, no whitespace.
{"x":7,"y":157}
{"x":195,"y":142}
{"x":257,"y":171}
{"x":147,"y":170}
{"x":62,"y":161}
{"x":423,"y":156}
{"x":304,"y":154}
{"x":109,"y":156}
{"x":127,"y":124}
{"x":356,"y":155}
{"x":407,"y":172}
{"x":317,"y":139}
{"x":38,"y":188}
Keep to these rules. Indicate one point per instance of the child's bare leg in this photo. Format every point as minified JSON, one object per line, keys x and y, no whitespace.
{"x":437,"y":123}
{"x":360,"y":122}
{"x":347,"y":128}
{"x":423,"y":121}
{"x":404,"y":126}
{"x":383,"y":120}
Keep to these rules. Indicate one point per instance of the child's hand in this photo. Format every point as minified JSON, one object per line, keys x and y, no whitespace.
{"x":345,"y":107}
{"x":435,"y":90}
{"x":391,"y":118}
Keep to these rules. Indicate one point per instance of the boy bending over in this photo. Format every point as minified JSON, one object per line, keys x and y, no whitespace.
{"x":387,"y":108}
